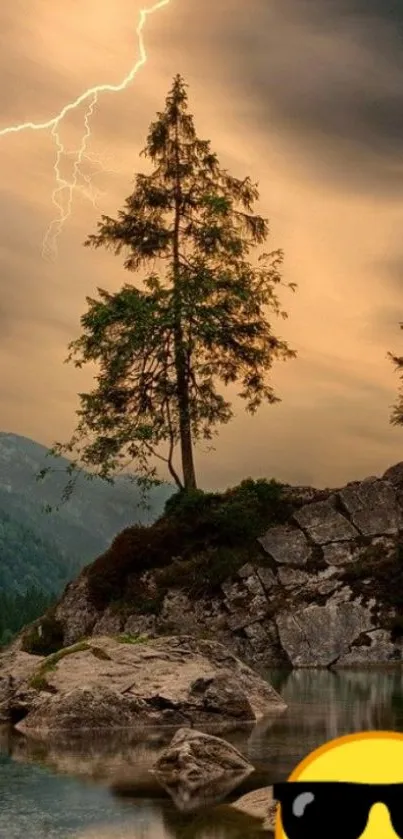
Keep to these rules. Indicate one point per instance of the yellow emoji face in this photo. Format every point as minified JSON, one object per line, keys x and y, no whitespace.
{"x":350,"y":788}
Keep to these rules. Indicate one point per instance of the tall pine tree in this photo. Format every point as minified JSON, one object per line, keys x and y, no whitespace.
{"x":199,"y":320}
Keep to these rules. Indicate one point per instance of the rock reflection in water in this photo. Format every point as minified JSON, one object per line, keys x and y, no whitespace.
{"x":188,"y":800}
{"x":221,"y":823}
{"x":322,"y":705}
{"x":122,"y":760}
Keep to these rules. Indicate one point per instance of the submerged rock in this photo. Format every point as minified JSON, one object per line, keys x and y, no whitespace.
{"x":199,"y":769}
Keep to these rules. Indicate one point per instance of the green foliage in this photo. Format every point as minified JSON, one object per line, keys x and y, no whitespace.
{"x":38,"y":680}
{"x":201,"y":320}
{"x":396,"y":417}
{"x":18,"y":610}
{"x":53,"y":659}
{"x":233,"y":517}
{"x":186,"y":503}
{"x":28,"y":561}
{"x":199,"y":541}
{"x":131,"y":639}
{"x":205,"y":571}
{"x":46,"y":552}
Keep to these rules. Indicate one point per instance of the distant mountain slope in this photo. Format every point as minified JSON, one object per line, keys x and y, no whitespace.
{"x":28,"y":561}
{"x":49,"y":549}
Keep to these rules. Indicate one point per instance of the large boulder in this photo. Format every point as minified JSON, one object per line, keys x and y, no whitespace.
{"x":286,"y":545}
{"x":198,"y":769}
{"x":372,"y":506}
{"x":113,"y":683}
{"x":317,"y":636}
{"x":323,"y":523}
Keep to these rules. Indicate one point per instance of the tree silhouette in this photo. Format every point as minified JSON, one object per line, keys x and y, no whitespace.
{"x":197,"y":321}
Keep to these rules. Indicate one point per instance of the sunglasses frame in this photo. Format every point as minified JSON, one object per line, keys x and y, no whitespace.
{"x":391,"y":795}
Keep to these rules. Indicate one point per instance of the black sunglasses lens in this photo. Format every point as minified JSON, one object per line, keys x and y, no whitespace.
{"x":312,"y":813}
{"x":395,"y":807}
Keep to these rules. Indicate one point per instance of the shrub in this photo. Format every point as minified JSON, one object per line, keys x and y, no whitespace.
{"x":202,"y":533}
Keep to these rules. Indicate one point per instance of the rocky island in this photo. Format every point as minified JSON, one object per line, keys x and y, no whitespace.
{"x":158,"y":627}
{"x":282,"y":576}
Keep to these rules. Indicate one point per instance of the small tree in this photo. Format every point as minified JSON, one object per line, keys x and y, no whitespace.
{"x":197,"y":321}
{"x":396,"y":417}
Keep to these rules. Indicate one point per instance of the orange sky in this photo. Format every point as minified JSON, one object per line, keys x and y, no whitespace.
{"x":305,"y":97}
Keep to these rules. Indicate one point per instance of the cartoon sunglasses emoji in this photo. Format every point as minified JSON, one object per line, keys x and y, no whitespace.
{"x":350,"y":788}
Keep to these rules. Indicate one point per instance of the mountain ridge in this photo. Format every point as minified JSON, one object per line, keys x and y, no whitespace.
{"x":73,"y":535}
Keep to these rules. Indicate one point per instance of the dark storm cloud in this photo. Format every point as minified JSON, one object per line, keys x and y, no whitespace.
{"x":331,"y":76}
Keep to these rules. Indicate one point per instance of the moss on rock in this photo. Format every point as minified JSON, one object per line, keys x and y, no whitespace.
{"x":39,"y":681}
{"x":131,"y":639}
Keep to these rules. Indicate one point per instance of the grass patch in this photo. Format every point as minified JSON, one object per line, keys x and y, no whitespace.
{"x":40,"y":683}
{"x":201,"y":539}
{"x":131,"y":639}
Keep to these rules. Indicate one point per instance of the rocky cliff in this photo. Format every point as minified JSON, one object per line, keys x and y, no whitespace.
{"x":324,"y":587}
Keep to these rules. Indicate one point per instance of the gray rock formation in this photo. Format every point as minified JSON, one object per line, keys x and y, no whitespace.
{"x":321,"y":635}
{"x":107,"y":683}
{"x":286,"y":545}
{"x":16,"y":669}
{"x":199,"y":769}
{"x":327,"y":589}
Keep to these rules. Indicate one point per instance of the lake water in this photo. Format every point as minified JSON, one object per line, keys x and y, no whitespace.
{"x":101,"y":788}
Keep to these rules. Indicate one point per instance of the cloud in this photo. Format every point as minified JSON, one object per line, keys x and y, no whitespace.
{"x":328,"y":76}
{"x":304,"y":96}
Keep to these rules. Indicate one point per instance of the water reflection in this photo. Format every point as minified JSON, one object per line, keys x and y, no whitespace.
{"x":112,"y":794}
{"x":203,"y":796}
{"x":324,"y":704}
{"x":122,"y":761}
{"x":223,"y":823}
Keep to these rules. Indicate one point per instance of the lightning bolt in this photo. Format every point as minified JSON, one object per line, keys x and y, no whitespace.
{"x":62,"y":196}
{"x":49,"y":245}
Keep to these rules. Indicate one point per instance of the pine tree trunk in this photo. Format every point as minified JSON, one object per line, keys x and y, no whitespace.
{"x":188,"y":469}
